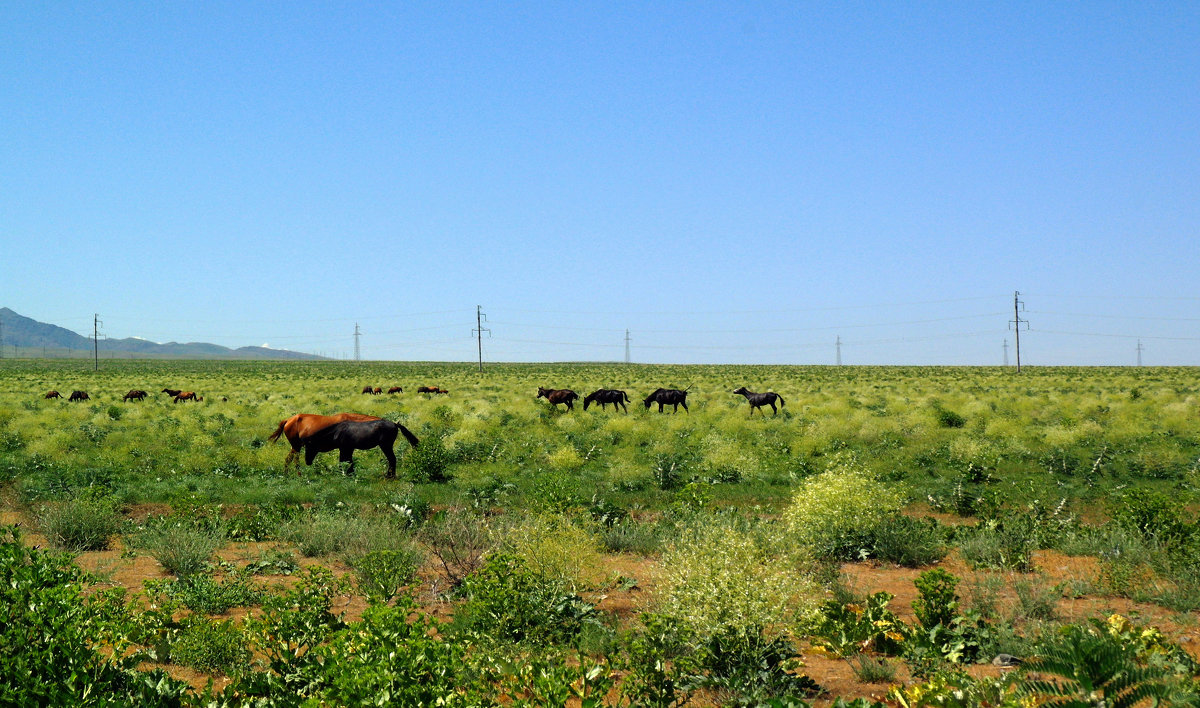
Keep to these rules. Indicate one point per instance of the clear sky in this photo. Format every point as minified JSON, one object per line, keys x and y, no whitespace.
{"x":732,"y":182}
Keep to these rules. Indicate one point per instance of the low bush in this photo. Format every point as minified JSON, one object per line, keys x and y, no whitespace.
{"x":382,"y":574}
{"x":183,"y":550}
{"x":86,"y":523}
{"x":213,"y":647}
{"x":836,"y":514}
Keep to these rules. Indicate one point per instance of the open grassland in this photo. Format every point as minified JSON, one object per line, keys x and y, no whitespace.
{"x":638,"y":558}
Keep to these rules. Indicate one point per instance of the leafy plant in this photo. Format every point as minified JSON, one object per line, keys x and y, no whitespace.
{"x":382,"y":574}
{"x":213,"y":647}
{"x":86,"y":523}
{"x":852,"y":628}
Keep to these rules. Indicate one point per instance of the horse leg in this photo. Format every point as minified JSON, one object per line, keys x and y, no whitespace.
{"x":391,"y":460}
{"x":773,"y":409}
{"x":346,"y":454}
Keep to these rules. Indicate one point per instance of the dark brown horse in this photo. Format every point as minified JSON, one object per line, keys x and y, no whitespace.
{"x":350,"y":435}
{"x":135,"y":394}
{"x":395,"y":389}
{"x":668,"y":397}
{"x":303,"y":425}
{"x":368,"y":389}
{"x":758,"y":400}
{"x":172,"y":391}
{"x":559,"y":395}
{"x":605,"y":396}
{"x":53,"y":394}
{"x":79,"y":396}
{"x":187,"y":396}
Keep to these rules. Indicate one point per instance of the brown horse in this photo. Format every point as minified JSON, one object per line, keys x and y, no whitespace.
{"x":305,"y":425}
{"x":79,"y":396}
{"x":135,"y":394}
{"x":53,"y":394}
{"x":395,"y":389}
{"x":187,"y":396}
{"x":368,"y":389}
{"x":558,"y":395}
{"x":431,"y":389}
{"x":172,"y":391}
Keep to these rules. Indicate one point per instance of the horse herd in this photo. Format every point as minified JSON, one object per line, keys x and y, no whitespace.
{"x":662,"y":396}
{"x":347,"y":432}
{"x":135,"y":394}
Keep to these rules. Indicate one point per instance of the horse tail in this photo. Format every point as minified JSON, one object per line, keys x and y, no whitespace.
{"x":278,"y":431}
{"x":780,"y":400}
{"x":626,"y":397}
{"x":412,"y":439}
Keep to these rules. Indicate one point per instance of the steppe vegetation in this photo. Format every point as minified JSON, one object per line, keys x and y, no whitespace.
{"x":885,"y":537}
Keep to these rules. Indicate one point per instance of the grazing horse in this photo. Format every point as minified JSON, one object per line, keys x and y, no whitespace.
{"x":135,"y":394}
{"x":187,"y":396}
{"x":758,"y":400}
{"x":79,"y":396}
{"x":303,"y":425}
{"x":172,"y":391}
{"x":604,"y":396}
{"x":395,"y":389}
{"x":350,"y":435}
{"x":53,"y":394}
{"x":559,"y":395}
{"x":431,"y":389}
{"x":668,"y":397}
{"x":368,"y":389}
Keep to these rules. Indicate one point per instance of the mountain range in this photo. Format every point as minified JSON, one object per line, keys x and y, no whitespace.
{"x":33,"y":338}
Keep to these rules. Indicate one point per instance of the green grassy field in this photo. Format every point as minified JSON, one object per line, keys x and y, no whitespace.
{"x":527,"y":519}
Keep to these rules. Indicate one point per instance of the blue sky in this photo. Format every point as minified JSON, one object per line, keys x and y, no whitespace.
{"x":732,"y":182}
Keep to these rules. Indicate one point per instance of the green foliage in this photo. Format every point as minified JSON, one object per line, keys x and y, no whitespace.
{"x":855,"y":628}
{"x":837,"y":513}
{"x":458,"y":540}
{"x":909,"y":542}
{"x":201,"y":593}
{"x":183,"y":550}
{"x":382,"y":574}
{"x":215,"y":647}
{"x":747,"y":667}
{"x":937,"y":601}
{"x":1150,"y":513}
{"x":392,"y":657}
{"x":1095,"y":668}
{"x":47,"y":635}
{"x":661,"y":658}
{"x":508,"y":602}
{"x":715,"y":576}
{"x":428,"y":462}
{"x":873,"y":669}
{"x":87,"y":523}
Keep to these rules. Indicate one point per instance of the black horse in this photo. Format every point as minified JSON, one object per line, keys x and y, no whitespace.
{"x":604,"y":396}
{"x":758,"y":400}
{"x":668,"y":397}
{"x":350,"y":435}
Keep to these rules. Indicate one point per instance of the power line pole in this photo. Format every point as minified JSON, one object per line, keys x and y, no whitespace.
{"x":357,"y":351}
{"x":96,"y":339}
{"x":478,"y":332}
{"x":838,"y":344}
{"x":1006,"y":352}
{"x":1016,"y":323}
{"x":1139,"y":352}
{"x":626,"y":346}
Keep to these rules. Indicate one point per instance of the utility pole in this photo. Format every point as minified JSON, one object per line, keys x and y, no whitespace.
{"x":838,"y":344}
{"x":626,"y":346}
{"x":357,"y":351}
{"x":1139,"y":352}
{"x":478,"y":332}
{"x":1006,"y":352}
{"x":1016,"y":323}
{"x":96,"y":339}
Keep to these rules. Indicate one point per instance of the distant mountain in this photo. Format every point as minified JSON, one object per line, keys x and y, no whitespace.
{"x":35,"y":337}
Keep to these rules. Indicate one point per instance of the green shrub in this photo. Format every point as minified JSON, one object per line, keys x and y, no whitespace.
{"x":1006,"y":545}
{"x":507,"y":602}
{"x":715,"y":577}
{"x":458,"y":540}
{"x":853,"y":628}
{"x":747,"y":667}
{"x":200,"y":593}
{"x":213,"y":647}
{"x":182,"y":550}
{"x":429,"y":462}
{"x":1150,"y":513}
{"x":552,"y":547}
{"x":837,"y":513}
{"x":937,"y":601}
{"x":86,"y":523}
{"x":47,"y":634}
{"x":908,"y":542}
{"x":661,"y":660}
{"x":873,"y":669}
{"x":324,"y":534}
{"x":382,"y":574}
